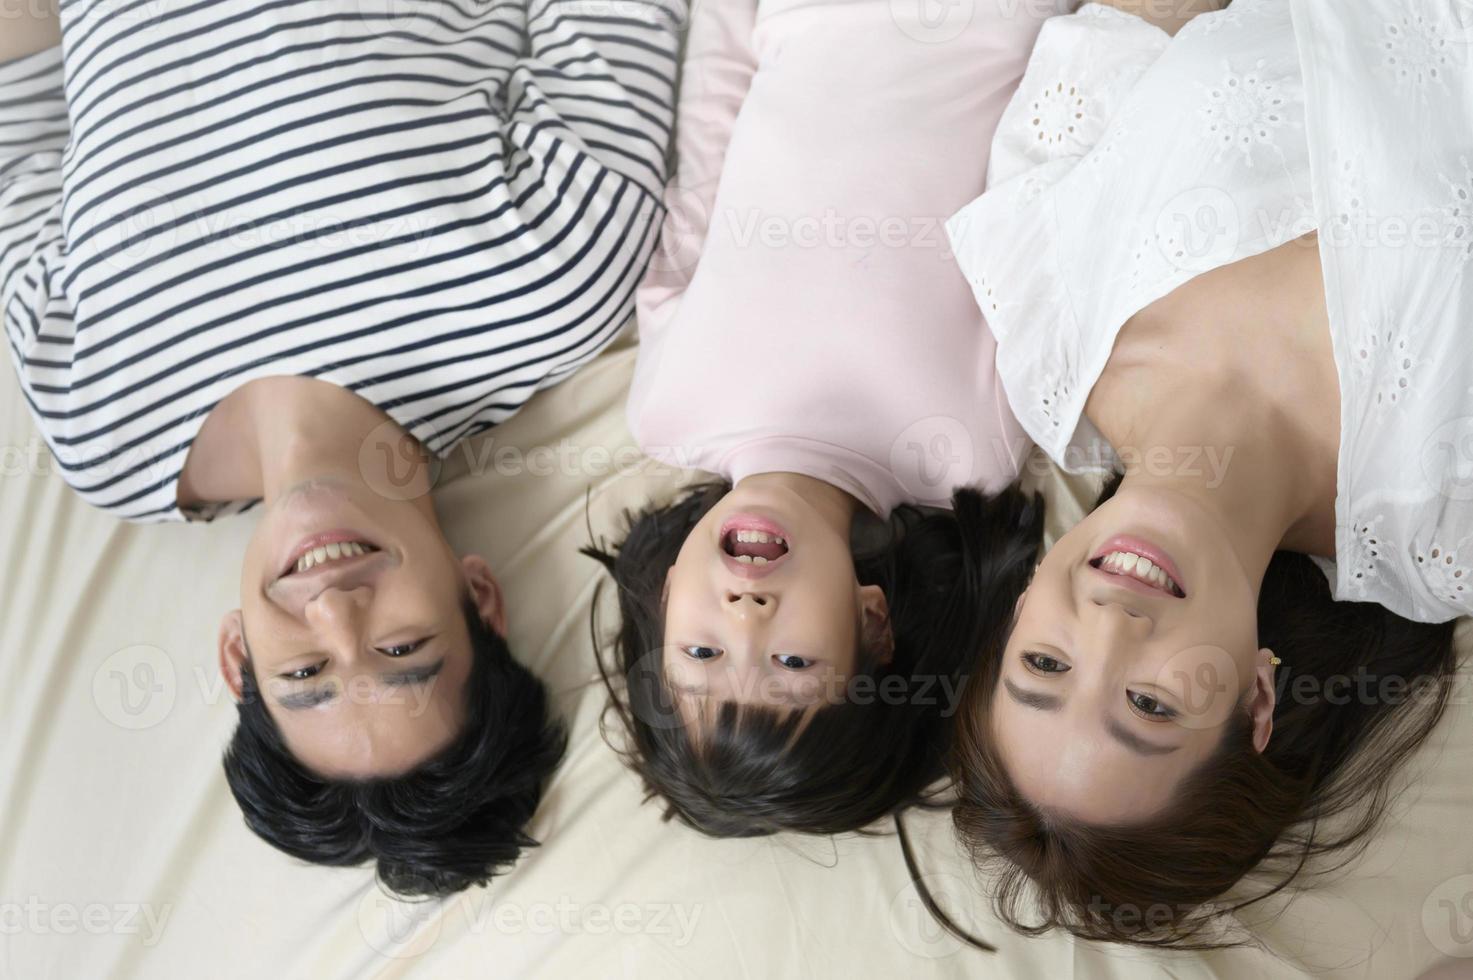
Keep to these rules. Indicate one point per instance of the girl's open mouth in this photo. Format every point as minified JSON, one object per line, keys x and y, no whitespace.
{"x":753,"y":540}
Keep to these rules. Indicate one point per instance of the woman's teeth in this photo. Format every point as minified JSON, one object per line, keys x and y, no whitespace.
{"x":332,"y":552}
{"x":1142,"y":568}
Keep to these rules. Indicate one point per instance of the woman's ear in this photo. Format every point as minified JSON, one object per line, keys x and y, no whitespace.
{"x":1263,"y":698}
{"x":485,"y":592}
{"x":877,"y":636}
{"x":232,"y":651}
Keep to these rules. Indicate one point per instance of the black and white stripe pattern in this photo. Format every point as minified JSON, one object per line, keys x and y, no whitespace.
{"x":442,"y":205}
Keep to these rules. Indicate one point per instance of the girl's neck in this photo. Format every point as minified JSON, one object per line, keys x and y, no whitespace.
{"x":838,"y":506}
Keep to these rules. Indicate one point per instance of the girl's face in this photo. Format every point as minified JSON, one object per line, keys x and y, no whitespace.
{"x":762,"y":605}
{"x":1134,"y":645}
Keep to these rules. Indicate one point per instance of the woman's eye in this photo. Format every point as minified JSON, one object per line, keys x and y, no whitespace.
{"x":702,"y":653}
{"x":1149,"y":707}
{"x":403,"y":649}
{"x":1042,"y":663}
{"x":790,"y":661}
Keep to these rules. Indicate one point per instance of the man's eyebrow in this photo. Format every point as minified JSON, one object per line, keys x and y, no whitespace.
{"x":1135,"y":743}
{"x":301,"y":700}
{"x":413,"y":675}
{"x":1040,"y":702}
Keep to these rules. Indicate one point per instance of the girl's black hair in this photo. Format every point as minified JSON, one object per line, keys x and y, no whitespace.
{"x":950,"y":578}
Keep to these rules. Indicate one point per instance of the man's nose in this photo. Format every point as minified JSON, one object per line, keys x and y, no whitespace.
{"x":335,"y":615}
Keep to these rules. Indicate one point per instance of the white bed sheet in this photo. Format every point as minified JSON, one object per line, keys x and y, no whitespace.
{"x":122,"y":853}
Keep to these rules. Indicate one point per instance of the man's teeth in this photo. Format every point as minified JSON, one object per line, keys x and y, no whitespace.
{"x":1139,"y":567}
{"x":758,"y":537}
{"x":332,"y":552}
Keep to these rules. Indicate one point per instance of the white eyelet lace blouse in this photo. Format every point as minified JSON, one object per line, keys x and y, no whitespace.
{"x":1130,"y":162}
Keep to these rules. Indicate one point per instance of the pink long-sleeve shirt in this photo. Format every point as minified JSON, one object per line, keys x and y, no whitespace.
{"x":804,"y":312}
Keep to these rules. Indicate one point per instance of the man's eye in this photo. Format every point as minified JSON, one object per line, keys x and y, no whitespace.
{"x":1042,"y":663}
{"x":303,"y":673}
{"x":791,"y":661}
{"x":403,"y":649}
{"x":1149,"y":707}
{"x":701,"y":653}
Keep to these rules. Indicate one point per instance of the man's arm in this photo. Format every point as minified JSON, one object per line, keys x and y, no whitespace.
{"x":1169,"y":15}
{"x":27,"y":26}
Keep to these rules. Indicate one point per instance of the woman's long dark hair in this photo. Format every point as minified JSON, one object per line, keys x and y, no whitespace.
{"x":1359,"y":690}
{"x":950,"y":577}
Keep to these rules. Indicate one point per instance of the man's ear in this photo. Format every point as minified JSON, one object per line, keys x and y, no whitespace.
{"x":1263,"y":699}
{"x":877,"y":636}
{"x":232,"y":651}
{"x":485,"y":592}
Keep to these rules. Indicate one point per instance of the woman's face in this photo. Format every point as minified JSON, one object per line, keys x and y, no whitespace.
{"x":762,"y":605}
{"x":1134,"y":645}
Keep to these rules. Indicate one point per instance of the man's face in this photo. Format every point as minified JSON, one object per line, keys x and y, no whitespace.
{"x":352,"y":625}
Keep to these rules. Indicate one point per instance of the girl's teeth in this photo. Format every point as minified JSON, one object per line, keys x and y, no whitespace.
{"x":758,"y":537}
{"x":751,"y":559}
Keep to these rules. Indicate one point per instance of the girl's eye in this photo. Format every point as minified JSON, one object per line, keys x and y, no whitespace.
{"x":702,"y":653}
{"x":791,"y":661}
{"x":403,"y":649}
{"x":303,"y":673}
{"x":1149,"y":708}
{"x":1042,"y":663}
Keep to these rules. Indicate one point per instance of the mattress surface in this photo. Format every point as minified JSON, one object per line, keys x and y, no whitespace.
{"x":122,"y":853}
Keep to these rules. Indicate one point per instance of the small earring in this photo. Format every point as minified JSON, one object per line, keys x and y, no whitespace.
{"x":1275,"y":661}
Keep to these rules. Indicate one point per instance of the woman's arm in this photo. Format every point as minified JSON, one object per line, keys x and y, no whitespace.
{"x":1169,"y":15}
{"x":27,"y":26}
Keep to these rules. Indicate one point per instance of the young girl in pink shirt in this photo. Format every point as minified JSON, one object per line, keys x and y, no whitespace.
{"x":794,"y":633}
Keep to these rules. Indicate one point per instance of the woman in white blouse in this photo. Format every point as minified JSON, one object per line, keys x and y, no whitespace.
{"x":1236,"y":265}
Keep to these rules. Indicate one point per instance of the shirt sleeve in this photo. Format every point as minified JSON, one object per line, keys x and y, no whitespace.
{"x":719,"y":65}
{"x":605,"y":71}
{"x":1081,"y":70}
{"x":33,"y":135}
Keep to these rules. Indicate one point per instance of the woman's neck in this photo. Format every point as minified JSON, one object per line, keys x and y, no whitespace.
{"x":1226,"y":390}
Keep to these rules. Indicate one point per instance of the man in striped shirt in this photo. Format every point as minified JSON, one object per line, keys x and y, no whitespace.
{"x":286,"y":252}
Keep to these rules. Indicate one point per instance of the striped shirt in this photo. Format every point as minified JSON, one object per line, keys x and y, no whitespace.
{"x":441,"y":205}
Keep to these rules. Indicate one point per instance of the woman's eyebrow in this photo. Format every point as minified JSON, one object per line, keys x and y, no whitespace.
{"x":1135,"y":743}
{"x":1030,"y":699}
